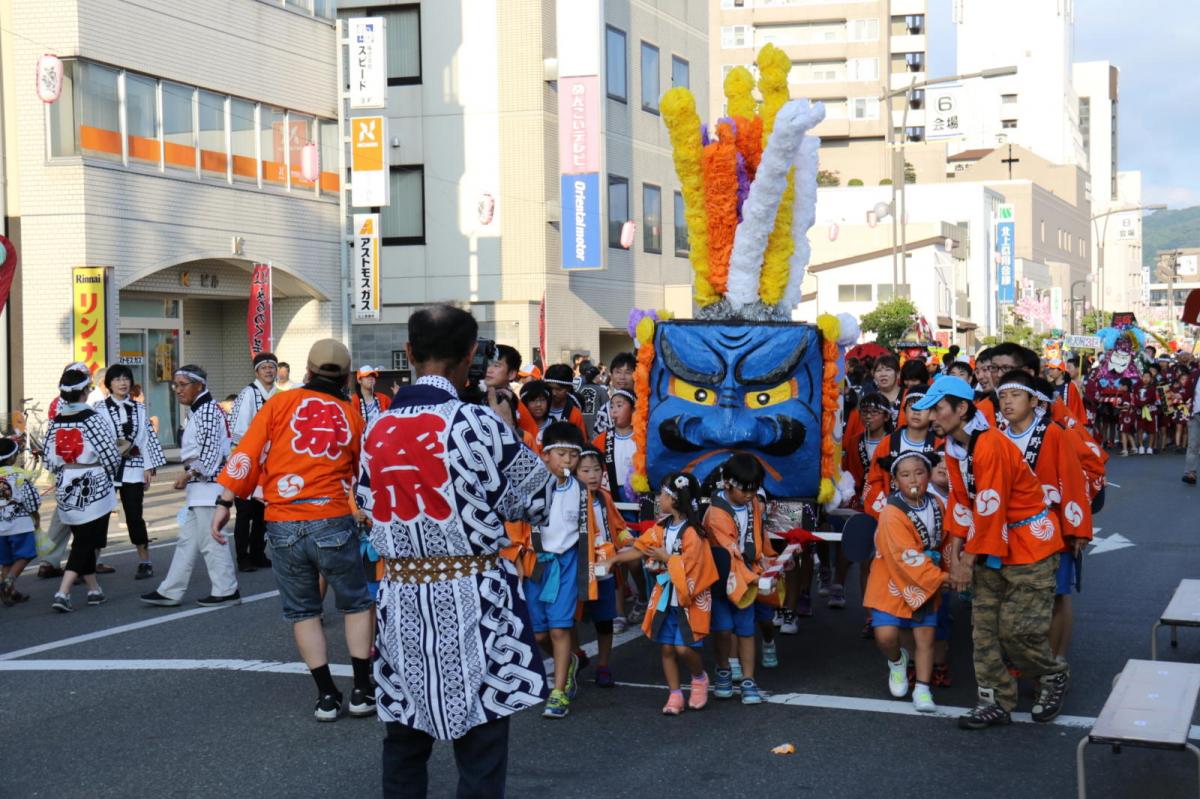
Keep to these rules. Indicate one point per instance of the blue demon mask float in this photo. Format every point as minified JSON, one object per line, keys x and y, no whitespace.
{"x":717,"y":388}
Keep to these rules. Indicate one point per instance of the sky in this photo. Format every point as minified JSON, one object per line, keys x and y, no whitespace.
{"x":1154,"y":44}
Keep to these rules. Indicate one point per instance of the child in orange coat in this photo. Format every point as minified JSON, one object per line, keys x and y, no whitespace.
{"x":903,"y":590}
{"x":678,"y":615}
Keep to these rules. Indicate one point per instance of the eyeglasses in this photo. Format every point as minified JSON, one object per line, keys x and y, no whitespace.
{"x":178,"y":386}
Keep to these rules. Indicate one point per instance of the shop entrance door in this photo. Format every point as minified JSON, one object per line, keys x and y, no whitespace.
{"x":150,"y":346}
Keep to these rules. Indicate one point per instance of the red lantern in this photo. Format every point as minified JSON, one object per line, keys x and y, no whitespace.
{"x":310,"y":163}
{"x":628,"y":231}
{"x":49,"y":78}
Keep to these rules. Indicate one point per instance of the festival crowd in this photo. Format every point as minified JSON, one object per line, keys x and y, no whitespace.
{"x":460,"y":533}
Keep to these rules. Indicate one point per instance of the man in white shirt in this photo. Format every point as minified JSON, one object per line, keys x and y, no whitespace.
{"x":249,"y":529}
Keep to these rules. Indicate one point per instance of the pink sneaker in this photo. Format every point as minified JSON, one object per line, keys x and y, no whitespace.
{"x":699,"y":697}
{"x":674,"y":705}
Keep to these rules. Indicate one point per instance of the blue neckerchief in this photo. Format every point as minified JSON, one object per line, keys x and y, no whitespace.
{"x":664,"y":594}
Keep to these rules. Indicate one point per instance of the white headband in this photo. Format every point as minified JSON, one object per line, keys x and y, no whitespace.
{"x":558,"y":382}
{"x":195,"y":378}
{"x":911,"y":453}
{"x":77,"y":367}
{"x":620,"y":392}
{"x":562,"y":445}
{"x":1022,"y":387}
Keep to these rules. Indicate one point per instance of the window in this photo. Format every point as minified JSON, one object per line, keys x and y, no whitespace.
{"x":141,"y":119}
{"x":1008,"y":124}
{"x":862,"y":30}
{"x":915,"y":133}
{"x":615,"y":64}
{"x":835,"y":109}
{"x":618,"y":208}
{"x":1043,"y":227}
{"x":680,"y":72}
{"x":862,"y":69}
{"x":301,"y":133}
{"x":864,"y":108}
{"x":179,"y":135}
{"x":330,"y":146}
{"x":884,"y":291}
{"x":799,"y":34}
{"x":403,"y":40}
{"x":1012,"y":98}
{"x":326,"y":9}
{"x":651,"y":218}
{"x":271,"y":146}
{"x":242,"y":116}
{"x":63,"y":141}
{"x":400,"y":360}
{"x":855,"y":292}
{"x":734,"y":36}
{"x":817,"y":71}
{"x":681,"y":234}
{"x":649,"y":78}
{"x":214,"y":155}
{"x":403,"y":221}
{"x":915,"y":62}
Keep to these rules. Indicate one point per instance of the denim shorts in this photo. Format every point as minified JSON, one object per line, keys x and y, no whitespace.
{"x":728,"y":616}
{"x":304,"y":551}
{"x":920,"y":618}
{"x":559,"y":612}
{"x":1065,"y":576}
{"x":17,"y":546}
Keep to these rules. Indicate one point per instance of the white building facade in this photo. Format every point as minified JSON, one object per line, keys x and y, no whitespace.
{"x":475,"y":213}
{"x":1037,"y":107}
{"x":172,"y":158}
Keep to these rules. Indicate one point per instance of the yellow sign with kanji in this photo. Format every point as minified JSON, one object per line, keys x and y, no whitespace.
{"x":89,"y":315}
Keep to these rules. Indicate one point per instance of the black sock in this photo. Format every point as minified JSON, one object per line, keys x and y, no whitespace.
{"x":324,"y":680}
{"x":362,"y":673}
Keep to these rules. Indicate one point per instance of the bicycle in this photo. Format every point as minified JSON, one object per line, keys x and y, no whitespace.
{"x":28,"y":430}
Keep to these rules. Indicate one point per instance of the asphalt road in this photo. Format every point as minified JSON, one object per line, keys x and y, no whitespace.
{"x":129,"y":701}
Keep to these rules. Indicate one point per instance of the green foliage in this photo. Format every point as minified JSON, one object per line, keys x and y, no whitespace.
{"x":990,"y":341}
{"x":1165,"y":230}
{"x":1095,"y":319}
{"x":885,"y":182}
{"x":828,"y":177}
{"x":854,"y":182}
{"x":889,"y":320}
{"x":910,"y":173}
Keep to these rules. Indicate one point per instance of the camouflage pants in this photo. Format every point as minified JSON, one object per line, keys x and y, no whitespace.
{"x":1011,"y":614}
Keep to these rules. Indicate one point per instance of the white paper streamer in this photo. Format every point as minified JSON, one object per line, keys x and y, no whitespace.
{"x":804,"y":213}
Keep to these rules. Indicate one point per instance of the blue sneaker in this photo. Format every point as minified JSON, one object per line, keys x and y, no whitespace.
{"x":750,"y":694}
{"x":572,"y":674}
{"x":557,"y":706}
{"x":723,"y":684}
{"x":770,"y":655}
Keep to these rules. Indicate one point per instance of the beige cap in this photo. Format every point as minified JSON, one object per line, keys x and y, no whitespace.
{"x":329,"y":358}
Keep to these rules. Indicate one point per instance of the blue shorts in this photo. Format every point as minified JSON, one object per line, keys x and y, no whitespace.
{"x":926,"y":618}
{"x":604,"y":606}
{"x":728,"y":616}
{"x":559,"y":614}
{"x":1065,"y":575}
{"x":669,"y":633}
{"x":19,"y":546}
{"x":304,"y":551}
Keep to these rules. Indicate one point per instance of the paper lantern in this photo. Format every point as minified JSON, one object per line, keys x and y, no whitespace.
{"x":49,"y":78}
{"x":487,"y":208}
{"x":628,"y":231}
{"x":833,"y":231}
{"x":882,"y":209}
{"x":310,"y":163}
{"x":872,"y":219}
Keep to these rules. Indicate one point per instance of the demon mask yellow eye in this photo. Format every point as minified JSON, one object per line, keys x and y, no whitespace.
{"x":771,"y":396}
{"x":697,"y":394}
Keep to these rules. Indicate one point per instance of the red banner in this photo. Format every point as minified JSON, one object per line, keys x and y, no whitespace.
{"x":7,"y":270}
{"x":258,"y":314}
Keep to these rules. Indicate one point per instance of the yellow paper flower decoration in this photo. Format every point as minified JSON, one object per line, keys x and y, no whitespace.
{"x":738,"y":85}
{"x":678,"y":108}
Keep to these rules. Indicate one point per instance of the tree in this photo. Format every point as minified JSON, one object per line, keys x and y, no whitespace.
{"x":910,"y":172}
{"x":1093,"y":320}
{"x":828,"y":177}
{"x":889,"y":320}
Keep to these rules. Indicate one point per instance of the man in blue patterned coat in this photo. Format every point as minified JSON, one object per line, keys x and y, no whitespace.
{"x":456,"y":650}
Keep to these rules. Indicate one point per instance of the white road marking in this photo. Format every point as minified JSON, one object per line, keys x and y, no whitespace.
{"x":591,"y":647}
{"x":125,"y":628}
{"x":1110,"y":483}
{"x":1112,"y":543}
{"x":820,"y":701}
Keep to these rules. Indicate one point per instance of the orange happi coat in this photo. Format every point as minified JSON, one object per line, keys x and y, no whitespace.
{"x":692,"y":573}
{"x":1063,"y":481}
{"x":997,"y":520}
{"x":903,"y":577}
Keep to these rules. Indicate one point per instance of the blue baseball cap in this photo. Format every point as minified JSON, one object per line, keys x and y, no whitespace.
{"x":945,"y":386}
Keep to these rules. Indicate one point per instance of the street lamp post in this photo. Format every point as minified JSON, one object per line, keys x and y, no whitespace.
{"x":1101,"y":236}
{"x":897,"y":156}
{"x":1082,"y":301}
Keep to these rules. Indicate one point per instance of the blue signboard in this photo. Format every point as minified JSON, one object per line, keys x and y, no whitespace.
{"x":582,"y":246}
{"x":1005,"y":266}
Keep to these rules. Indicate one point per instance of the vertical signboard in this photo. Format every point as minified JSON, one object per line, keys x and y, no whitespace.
{"x":1005,"y":255}
{"x":367,"y":63}
{"x":580,"y":136}
{"x":89,"y":315}
{"x":258,"y":314}
{"x":368,"y":162}
{"x":1056,"y":306}
{"x":366,"y":267}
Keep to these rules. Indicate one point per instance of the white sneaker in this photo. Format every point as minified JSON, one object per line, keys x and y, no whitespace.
{"x":735,"y":665}
{"x":619,"y":625}
{"x":789,"y":626}
{"x":922,"y":699}
{"x":898,"y":675}
{"x":777,"y":619}
{"x":1141,"y":450}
